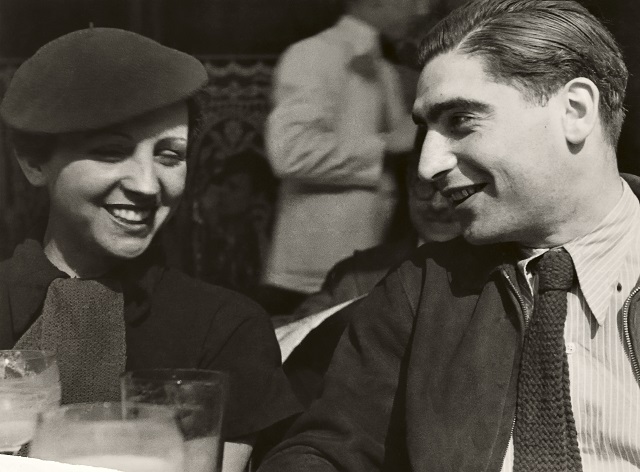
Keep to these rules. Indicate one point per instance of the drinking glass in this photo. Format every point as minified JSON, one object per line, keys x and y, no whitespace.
{"x":199,"y":397}
{"x":29,"y":384}
{"x":128,"y":438}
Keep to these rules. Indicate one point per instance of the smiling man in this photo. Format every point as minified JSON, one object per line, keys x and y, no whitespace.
{"x":514,"y":347}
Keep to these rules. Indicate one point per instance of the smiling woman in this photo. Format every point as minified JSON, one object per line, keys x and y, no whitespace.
{"x":111,"y":190}
{"x":101,"y":119}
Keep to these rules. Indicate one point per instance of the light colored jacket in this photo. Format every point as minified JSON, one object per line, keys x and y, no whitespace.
{"x":324,"y":141}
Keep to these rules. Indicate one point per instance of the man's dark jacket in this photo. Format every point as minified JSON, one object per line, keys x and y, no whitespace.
{"x":425,"y":376}
{"x":350,"y":278}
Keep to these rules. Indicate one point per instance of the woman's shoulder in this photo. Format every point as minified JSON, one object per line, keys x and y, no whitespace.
{"x":198,"y":295}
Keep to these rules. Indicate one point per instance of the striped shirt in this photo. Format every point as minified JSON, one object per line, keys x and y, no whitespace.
{"x":605,"y":395}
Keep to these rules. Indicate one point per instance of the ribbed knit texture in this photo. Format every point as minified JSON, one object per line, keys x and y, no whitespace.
{"x":545,"y":437}
{"x":83,"y":322}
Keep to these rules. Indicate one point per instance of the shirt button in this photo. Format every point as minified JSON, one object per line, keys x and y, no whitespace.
{"x":571,"y":348}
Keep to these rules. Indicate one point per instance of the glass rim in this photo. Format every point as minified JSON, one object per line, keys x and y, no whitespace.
{"x":41,"y":353}
{"x":176,"y":375}
{"x":87,"y":408}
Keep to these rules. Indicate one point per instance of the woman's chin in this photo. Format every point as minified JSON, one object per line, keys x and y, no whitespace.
{"x":127,"y":250}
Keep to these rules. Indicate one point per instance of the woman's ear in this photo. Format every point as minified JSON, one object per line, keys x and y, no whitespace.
{"x":32,"y":170}
{"x":581,"y":109}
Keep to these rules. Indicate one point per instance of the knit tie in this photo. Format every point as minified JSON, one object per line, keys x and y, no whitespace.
{"x":545,"y":437}
{"x":82,"y":321}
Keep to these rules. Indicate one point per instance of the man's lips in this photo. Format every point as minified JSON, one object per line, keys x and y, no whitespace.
{"x":460,"y":194}
{"x":131,"y":214}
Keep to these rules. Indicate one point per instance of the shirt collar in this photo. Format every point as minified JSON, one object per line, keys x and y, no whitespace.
{"x":363,"y":37}
{"x":599,"y":254}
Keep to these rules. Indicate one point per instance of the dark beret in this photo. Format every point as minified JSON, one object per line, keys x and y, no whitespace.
{"x":97,"y":77}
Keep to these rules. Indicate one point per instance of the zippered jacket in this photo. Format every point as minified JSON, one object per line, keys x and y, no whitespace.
{"x":425,"y":376}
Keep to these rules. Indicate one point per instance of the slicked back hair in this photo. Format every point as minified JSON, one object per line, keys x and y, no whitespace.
{"x":537,"y":46}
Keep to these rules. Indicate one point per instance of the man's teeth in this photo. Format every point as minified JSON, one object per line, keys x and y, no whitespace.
{"x":458,"y":195}
{"x":136,"y":216}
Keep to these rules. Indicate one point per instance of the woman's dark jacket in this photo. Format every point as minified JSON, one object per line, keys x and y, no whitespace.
{"x":172,"y":321}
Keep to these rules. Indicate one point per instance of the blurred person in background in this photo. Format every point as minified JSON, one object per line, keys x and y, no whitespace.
{"x":432,"y":220}
{"x":339,"y":124}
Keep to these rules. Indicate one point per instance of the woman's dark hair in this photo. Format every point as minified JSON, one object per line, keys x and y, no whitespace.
{"x":537,"y":46}
{"x":38,"y":148}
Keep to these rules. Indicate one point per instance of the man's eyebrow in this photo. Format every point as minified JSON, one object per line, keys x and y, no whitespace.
{"x":435,"y":112}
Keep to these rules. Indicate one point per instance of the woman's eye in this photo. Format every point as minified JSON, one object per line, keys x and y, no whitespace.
{"x":170,"y":157}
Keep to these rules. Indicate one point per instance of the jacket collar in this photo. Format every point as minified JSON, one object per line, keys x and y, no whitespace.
{"x":28,"y":277}
{"x":29,"y":274}
{"x":471,"y":266}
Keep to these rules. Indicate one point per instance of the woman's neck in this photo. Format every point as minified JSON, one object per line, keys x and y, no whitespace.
{"x":75,"y":262}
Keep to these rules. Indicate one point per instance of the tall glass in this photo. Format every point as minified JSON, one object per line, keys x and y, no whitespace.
{"x":198,"y":395}
{"x":139,"y":438}
{"x":29,"y":384}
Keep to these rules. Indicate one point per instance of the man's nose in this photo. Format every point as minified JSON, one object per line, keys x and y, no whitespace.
{"x":436,"y":158}
{"x":141,"y":175}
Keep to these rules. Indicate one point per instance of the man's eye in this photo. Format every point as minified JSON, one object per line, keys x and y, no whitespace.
{"x":461,"y":123}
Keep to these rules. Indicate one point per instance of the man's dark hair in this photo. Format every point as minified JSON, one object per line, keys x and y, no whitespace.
{"x":537,"y":46}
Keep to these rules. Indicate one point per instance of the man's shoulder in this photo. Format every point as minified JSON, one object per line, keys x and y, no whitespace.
{"x":452,"y":262}
{"x":377,"y":258}
{"x":448,"y":254}
{"x":633,"y":181}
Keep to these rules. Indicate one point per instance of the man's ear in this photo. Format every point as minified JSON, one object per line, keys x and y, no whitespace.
{"x":32,"y":170}
{"x":581,"y":109}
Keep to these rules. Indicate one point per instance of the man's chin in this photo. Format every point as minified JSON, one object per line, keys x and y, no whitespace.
{"x":479,"y":238}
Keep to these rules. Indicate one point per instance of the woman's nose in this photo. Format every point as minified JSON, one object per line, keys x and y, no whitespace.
{"x":436,"y":158}
{"x":141,"y":175}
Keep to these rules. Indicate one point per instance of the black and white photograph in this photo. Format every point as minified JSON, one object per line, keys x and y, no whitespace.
{"x":319,"y":236}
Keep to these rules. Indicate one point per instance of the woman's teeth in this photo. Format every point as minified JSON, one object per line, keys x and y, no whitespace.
{"x":132,"y":216}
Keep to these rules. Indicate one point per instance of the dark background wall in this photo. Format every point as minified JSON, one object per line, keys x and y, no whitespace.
{"x":195,"y":26}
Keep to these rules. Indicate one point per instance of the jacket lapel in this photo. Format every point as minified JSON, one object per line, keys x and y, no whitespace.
{"x":27,"y":277}
{"x":459,"y":408}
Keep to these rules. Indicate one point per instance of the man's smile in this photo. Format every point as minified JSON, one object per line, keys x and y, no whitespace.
{"x":459,"y":195}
